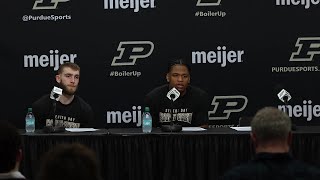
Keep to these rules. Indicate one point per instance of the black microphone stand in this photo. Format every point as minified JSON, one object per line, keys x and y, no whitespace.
{"x":53,"y":128}
{"x":293,"y":126}
{"x":172,"y":127}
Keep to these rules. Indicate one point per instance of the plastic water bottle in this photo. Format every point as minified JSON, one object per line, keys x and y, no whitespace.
{"x":30,"y":121}
{"x":146,"y":121}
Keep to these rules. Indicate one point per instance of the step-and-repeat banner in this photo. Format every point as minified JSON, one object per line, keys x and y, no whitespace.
{"x":241,"y":52}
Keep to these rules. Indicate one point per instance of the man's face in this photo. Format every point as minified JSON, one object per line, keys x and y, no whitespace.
{"x":68,"y":80}
{"x":179,"y":78}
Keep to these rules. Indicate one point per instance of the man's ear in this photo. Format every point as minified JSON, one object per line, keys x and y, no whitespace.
{"x":253,"y":137}
{"x":58,"y":78}
{"x":167,"y":77}
{"x":289,"y":138}
{"x":19,"y":156}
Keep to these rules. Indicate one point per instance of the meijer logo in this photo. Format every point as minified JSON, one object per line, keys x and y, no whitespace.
{"x":208,"y":2}
{"x":307,"y":110}
{"x":54,"y":59}
{"x":307,"y":48}
{"x":131,"y":51}
{"x":225,"y":105}
{"x":118,"y":117}
{"x":129,"y":4}
{"x":305,"y":3}
{"x":220,"y":56}
{"x":47,"y":4}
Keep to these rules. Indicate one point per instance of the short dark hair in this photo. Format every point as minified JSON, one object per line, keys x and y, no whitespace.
{"x":178,"y":62}
{"x":10,"y":142}
{"x":69,"y":162}
{"x":71,"y":65}
{"x":270,"y":123}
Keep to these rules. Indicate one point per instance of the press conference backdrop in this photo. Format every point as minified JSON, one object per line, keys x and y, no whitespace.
{"x":241,"y":52}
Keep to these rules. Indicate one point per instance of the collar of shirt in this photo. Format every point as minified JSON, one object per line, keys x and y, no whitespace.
{"x":12,"y":174}
{"x":265,"y":155}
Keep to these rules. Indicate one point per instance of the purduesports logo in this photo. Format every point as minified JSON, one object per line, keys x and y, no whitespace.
{"x":308,"y":49}
{"x":225,"y":105}
{"x":47,"y":4}
{"x":208,"y":2}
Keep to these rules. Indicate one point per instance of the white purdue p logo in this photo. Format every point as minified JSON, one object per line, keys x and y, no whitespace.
{"x":46,"y":4}
{"x":225,"y":105}
{"x":130,"y":51}
{"x":307,"y":48}
{"x":208,"y":2}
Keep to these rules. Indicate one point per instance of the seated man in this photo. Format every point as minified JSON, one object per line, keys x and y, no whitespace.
{"x":71,"y":111}
{"x":10,"y":152}
{"x":271,"y":136}
{"x":190,"y":109}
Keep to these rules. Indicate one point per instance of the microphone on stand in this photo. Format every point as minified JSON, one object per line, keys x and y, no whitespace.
{"x":285,"y":97}
{"x":55,"y":96}
{"x":173,"y":95}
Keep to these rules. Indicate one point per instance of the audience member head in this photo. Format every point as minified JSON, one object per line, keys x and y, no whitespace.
{"x":10,"y":151}
{"x":271,"y":130}
{"x":69,"y":162}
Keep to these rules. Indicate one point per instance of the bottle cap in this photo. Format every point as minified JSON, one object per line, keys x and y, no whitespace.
{"x":29,"y":109}
{"x":147,"y":109}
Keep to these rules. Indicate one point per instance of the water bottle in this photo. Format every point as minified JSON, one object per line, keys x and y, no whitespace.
{"x":146,"y":121}
{"x":30,"y":121}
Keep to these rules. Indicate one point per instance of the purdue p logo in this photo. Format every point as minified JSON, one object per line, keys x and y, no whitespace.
{"x":307,"y":48}
{"x":46,"y":4}
{"x":225,"y":105}
{"x":208,"y":2}
{"x":130,"y":51}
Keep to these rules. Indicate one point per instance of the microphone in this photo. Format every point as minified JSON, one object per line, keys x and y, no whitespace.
{"x":55,"y":93}
{"x":55,"y":96}
{"x":173,"y":95}
{"x":285,"y":97}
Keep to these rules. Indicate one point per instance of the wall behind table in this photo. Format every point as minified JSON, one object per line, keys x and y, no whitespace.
{"x":123,"y":53}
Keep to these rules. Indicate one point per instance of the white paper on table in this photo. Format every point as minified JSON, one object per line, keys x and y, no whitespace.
{"x":81,"y":129}
{"x":193,"y":129}
{"x":244,"y":128}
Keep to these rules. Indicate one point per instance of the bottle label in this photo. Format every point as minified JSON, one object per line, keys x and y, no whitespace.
{"x":147,"y":122}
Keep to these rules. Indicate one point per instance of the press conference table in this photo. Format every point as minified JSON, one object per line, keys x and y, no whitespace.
{"x":127,"y":153}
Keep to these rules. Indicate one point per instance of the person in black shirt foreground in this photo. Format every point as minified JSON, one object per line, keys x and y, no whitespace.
{"x":271,"y":136}
{"x":190,"y":109}
{"x":10,"y":152}
{"x":71,"y":110}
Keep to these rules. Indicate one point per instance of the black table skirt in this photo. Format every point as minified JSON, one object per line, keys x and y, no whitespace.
{"x":129,"y":154}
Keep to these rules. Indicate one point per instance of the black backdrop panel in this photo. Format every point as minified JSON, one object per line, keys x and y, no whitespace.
{"x":242,"y":53}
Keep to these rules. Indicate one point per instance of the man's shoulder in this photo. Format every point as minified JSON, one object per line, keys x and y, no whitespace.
{"x":158,"y":90}
{"x":196,"y":91}
{"x":259,"y":170}
{"x":42,"y":100}
{"x":301,"y":167}
{"x":82,"y":102}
